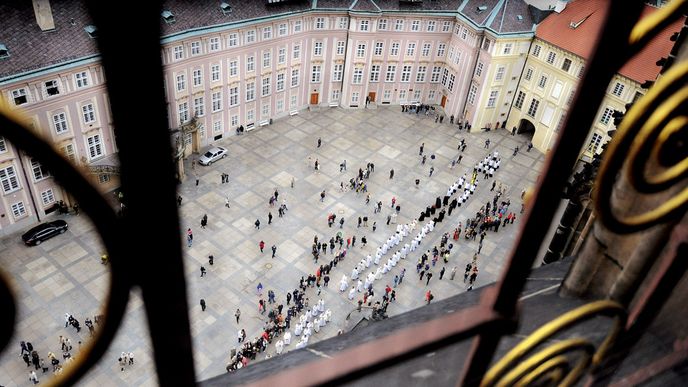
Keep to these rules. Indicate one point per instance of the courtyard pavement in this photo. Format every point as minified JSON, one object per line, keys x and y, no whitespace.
{"x":64,"y":274}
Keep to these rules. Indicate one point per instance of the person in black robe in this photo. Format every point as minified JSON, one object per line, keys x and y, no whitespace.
{"x":438,"y":202}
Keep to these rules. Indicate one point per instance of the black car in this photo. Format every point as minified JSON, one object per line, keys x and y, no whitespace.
{"x":44,"y":231}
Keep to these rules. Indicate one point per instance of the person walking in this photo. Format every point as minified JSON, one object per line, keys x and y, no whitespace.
{"x":428,"y":277}
{"x":319,"y":142}
{"x":432,"y":169}
{"x":428,"y":297}
{"x":202,"y":305}
{"x":453,"y":273}
{"x":227,"y":201}
{"x":237,"y":314}
{"x":487,"y":144}
{"x":391,"y":173}
{"x":189,"y":237}
{"x":515,"y":151}
{"x":269,"y":217}
{"x":257,"y":223}
{"x":203,"y":271}
{"x":442,"y":272}
{"x":204,"y":220}
{"x":274,"y":250}
{"x":261,"y":245}
{"x":420,"y":152}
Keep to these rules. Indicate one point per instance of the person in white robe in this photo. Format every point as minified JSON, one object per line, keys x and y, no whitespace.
{"x":316,"y":325}
{"x":344,"y":283}
{"x":287,"y":338}
{"x":354,"y":274}
{"x":352,"y":293}
{"x":359,"y":286}
{"x":378,"y":273}
{"x":279,"y":346}
{"x":377,"y":259}
{"x":298,"y":329}
{"x":369,"y":260}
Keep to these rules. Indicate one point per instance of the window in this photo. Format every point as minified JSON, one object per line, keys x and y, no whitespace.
{"x":435,"y":76}
{"x":234,"y":120}
{"x":340,"y":47}
{"x":181,"y":82}
{"x":471,"y":94}
{"x":618,"y":89}
{"x":431,"y":28}
{"x":178,"y":52}
{"x":296,"y":52}
{"x":48,"y":197}
{"x":557,"y":89}
{"x":479,"y":69}
{"x":360,"y":51}
{"x":387,"y":95}
{"x":250,"y":36}
{"x":594,"y":143}
{"x":81,"y":79}
{"x":374,"y":73}
{"x":450,"y":85}
{"x":3,"y":145}
{"x":250,"y":91}
{"x":195,"y":48}
{"x":51,"y":88}
{"x":197,"y":77}
{"x":415,"y":25}
{"x":265,"y":110}
{"x":103,"y":178}
{"x":382,"y":24}
{"x":280,"y":82}
{"x":60,"y":123}
{"x":335,"y":95}
{"x":250,"y":63}
{"x":399,"y":25}
{"x":581,"y":71}
{"x":445,"y":75}
{"x":217,"y":127}
{"x":364,"y":25}
{"x":426,"y":49}
{"x":486,"y":44}
{"x":317,"y":48}
{"x":343,"y":23}
{"x":233,"y":68}
{"x":214,"y":72}
{"x":606,"y":116}
{"x":233,"y":96}
{"x":68,"y":152}
{"x":18,"y":210}
{"x":39,"y":171}
{"x":637,"y":96}
{"x":315,"y":74}
{"x":571,"y":96}
{"x":95,"y":146}
{"x":358,"y":76}
{"x":19,"y":96}
{"x":282,"y":56}
{"x":355,"y":98}
{"x":88,"y":113}
{"x":500,"y":73}
{"x":532,"y":110}
{"x":216,"y":99}
{"x":420,"y":75}
{"x":267,"y":59}
{"x":199,"y":107}
{"x":183,"y":110}
{"x":250,"y":115}
{"x":551,"y":56}
{"x":536,"y":50}
{"x":507,"y":48}
{"x":529,"y":74}
{"x":446,"y":26}
{"x":294,"y":77}
{"x":292,"y":101}
{"x":406,"y":73}
{"x":319,"y":23}
{"x":492,"y":99}
{"x":394,"y":50}
{"x":411,"y":49}
{"x":267,"y":32}
{"x":282,"y":29}
{"x":464,"y":33}
{"x":233,"y":40}
{"x":214,"y":44}
{"x":440,"y":49}
{"x":543,"y":81}
{"x":566,"y":65}
{"x":519,"y":100}
{"x":402,"y":95}
{"x":416,"y":95}
{"x":391,"y":72}
{"x":337,"y":71}
{"x":8,"y":179}
{"x":297,"y":26}
{"x":265,"y":84}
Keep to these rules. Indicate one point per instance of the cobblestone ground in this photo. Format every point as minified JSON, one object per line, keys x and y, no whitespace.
{"x":64,"y":274}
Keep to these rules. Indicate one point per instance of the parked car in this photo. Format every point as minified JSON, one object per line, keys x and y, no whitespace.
{"x":44,"y":231}
{"x":212,"y":155}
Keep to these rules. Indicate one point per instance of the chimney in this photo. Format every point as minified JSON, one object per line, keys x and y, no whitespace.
{"x":44,"y":15}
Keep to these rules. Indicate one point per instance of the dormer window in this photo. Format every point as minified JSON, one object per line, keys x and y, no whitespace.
{"x":4,"y":52}
{"x":19,"y":96}
{"x":92,"y":31}
{"x":168,"y":17}
{"x":225,"y":8}
{"x":51,"y":88}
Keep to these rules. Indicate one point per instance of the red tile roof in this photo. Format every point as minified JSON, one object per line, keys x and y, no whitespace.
{"x":589,"y":16}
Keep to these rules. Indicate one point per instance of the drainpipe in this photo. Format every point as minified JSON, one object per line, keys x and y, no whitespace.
{"x":346,"y":51}
{"x":470,"y":83}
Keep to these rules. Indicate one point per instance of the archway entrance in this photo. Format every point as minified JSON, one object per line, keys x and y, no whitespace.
{"x":526,"y":128}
